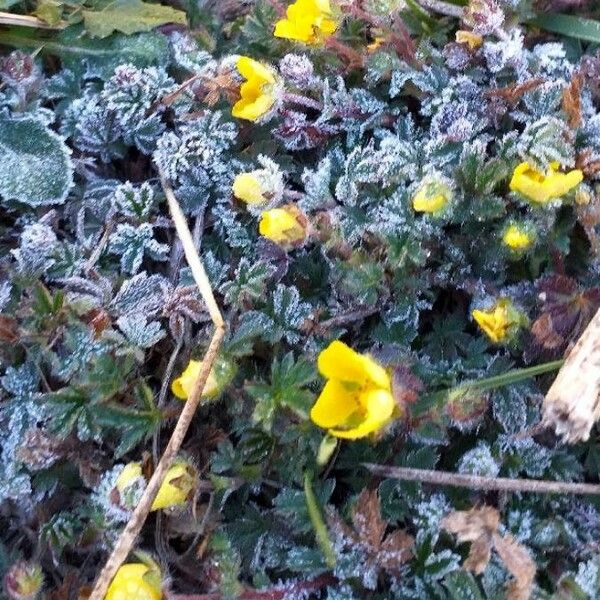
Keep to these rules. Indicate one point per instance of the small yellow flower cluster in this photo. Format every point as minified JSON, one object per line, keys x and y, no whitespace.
{"x":179,"y":483}
{"x":308,"y":21}
{"x":471,"y":39}
{"x":544,"y":187}
{"x":357,"y":398}
{"x":135,"y":581}
{"x":501,"y":321}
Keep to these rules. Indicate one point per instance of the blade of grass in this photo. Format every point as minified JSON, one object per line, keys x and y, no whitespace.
{"x":571,"y":26}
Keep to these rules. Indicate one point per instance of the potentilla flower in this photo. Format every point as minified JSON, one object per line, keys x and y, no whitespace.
{"x":260,"y":186}
{"x":219,"y":377}
{"x":180,"y":481}
{"x":501,"y":321}
{"x":135,"y":581}
{"x":544,"y":187}
{"x":257,"y":92}
{"x":432,"y":197}
{"x":285,"y":226}
{"x":518,"y":237}
{"x":357,"y":398}
{"x":308,"y":21}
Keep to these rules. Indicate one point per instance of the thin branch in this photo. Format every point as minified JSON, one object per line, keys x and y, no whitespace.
{"x":100,"y":246}
{"x":128,"y":536}
{"x":349,"y":317}
{"x":476,"y":482}
{"x":27,"y":21}
{"x":294,"y":590}
{"x":443,"y":8}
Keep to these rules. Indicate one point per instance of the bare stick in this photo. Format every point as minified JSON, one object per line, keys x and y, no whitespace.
{"x":138,"y":518}
{"x":444,"y":8}
{"x":27,"y":21}
{"x":476,"y":482}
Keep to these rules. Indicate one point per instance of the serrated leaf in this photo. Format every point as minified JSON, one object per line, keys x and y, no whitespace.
{"x":462,"y":586}
{"x":35,"y":167}
{"x":130,"y":16}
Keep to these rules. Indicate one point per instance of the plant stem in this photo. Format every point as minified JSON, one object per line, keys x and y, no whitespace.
{"x":513,"y":376}
{"x":317,"y":521}
{"x":477,"y":482}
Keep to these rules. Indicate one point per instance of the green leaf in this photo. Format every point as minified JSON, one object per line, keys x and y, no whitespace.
{"x":461,"y":585}
{"x":129,"y":16}
{"x":35,"y":167}
{"x":571,"y":26}
{"x":96,"y":57}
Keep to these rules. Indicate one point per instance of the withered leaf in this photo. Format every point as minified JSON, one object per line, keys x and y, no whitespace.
{"x":366,"y":518}
{"x":477,"y":525}
{"x":9,"y":330}
{"x":571,"y":100}
{"x":396,"y":550}
{"x":513,"y":93}
{"x":519,"y":564}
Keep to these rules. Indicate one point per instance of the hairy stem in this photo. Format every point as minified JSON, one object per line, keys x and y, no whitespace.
{"x":317,"y":521}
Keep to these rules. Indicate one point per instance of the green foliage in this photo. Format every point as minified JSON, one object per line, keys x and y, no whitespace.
{"x":100,"y":312}
{"x":129,"y":16}
{"x":36,"y":167}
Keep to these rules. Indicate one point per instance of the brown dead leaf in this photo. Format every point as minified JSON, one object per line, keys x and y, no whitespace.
{"x":477,"y":525}
{"x":9,"y":330}
{"x":382,"y":552}
{"x":519,"y":564}
{"x":366,"y":518}
{"x":396,"y":550}
{"x":571,"y":100}
{"x":511,"y":94}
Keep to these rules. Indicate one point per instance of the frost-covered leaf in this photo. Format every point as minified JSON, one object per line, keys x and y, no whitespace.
{"x":36,"y":167}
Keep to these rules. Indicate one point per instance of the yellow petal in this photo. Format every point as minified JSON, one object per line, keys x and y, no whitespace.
{"x":246,"y":187}
{"x":183,"y":385}
{"x":473,"y":40}
{"x":252,"y":69}
{"x":130,"y":583}
{"x":281,"y":226}
{"x":130,"y":472}
{"x":289,"y":30}
{"x":252,"y":109}
{"x":334,"y":405}
{"x":379,"y":407}
{"x":175,"y":489}
{"x":541,"y":187}
{"x":339,"y":361}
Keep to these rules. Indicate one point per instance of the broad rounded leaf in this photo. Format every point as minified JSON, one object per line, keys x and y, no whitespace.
{"x":35,"y":167}
{"x":130,"y":16}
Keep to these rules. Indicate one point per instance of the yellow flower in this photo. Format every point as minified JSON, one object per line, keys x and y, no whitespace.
{"x":256,"y":93}
{"x":284,"y":226}
{"x":134,"y":581}
{"x":182,"y":386}
{"x":432,"y":197}
{"x":307,"y":21}
{"x":376,"y":43}
{"x":516,"y":237}
{"x":541,"y":187}
{"x":247,"y":187}
{"x":220,"y":375}
{"x":473,"y":40}
{"x":130,"y":472}
{"x":501,"y":321}
{"x":179,"y":481}
{"x":357,"y":398}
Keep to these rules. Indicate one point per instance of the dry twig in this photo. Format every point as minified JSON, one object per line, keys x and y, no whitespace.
{"x":132,"y":529}
{"x":476,"y":482}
